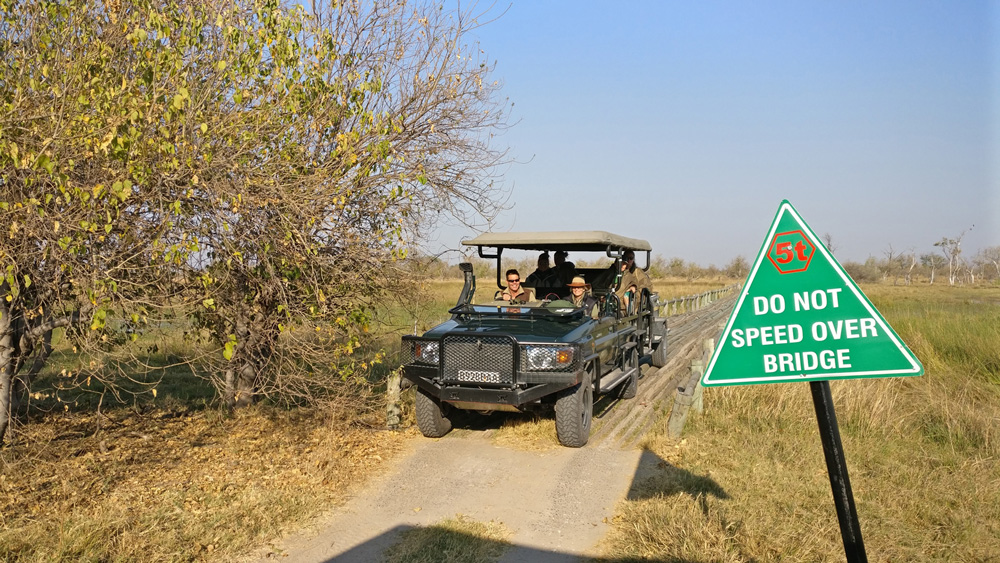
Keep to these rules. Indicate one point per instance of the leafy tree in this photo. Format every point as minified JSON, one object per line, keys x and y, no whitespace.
{"x":93,"y":180}
{"x":373,"y":123}
{"x":256,"y":162}
{"x":738,"y":267}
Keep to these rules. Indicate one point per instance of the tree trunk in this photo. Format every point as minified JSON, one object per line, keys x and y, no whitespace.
{"x":240,"y":385}
{"x":6,"y":392}
{"x":246,"y":388}
{"x":22,"y":384}
{"x":229,"y":391}
{"x":6,"y":372}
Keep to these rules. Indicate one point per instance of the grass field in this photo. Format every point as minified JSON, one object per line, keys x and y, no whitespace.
{"x":748,"y":481}
{"x":174,"y":480}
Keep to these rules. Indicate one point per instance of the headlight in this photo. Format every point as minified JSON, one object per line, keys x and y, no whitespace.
{"x":541,"y":358}
{"x":426,"y":352}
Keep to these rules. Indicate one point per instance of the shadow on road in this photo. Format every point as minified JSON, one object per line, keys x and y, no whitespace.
{"x":434,"y":549}
{"x":655,"y":477}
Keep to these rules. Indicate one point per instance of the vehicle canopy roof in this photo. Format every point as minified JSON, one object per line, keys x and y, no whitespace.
{"x":598,"y":241}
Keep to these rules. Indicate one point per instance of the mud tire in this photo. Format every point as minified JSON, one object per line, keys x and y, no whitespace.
{"x":659,"y":358}
{"x":574,"y":414}
{"x":432,"y":415}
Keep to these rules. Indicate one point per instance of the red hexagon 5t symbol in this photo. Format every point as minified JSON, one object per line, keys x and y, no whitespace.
{"x":791,"y":252}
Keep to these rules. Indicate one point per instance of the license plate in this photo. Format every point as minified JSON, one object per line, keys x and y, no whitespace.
{"x":480,"y":376}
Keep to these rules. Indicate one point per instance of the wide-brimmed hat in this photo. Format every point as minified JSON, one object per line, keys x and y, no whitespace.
{"x":578,"y":281}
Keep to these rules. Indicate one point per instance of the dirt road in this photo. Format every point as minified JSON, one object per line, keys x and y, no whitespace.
{"x":556,"y":502}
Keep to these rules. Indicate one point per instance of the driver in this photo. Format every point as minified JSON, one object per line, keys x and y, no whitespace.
{"x":514,"y":292}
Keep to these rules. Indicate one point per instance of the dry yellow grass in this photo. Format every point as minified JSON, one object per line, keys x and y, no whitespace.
{"x":749,"y":481}
{"x":672,"y":288}
{"x":457,"y":540}
{"x":166,"y":486}
{"x":528,"y":433}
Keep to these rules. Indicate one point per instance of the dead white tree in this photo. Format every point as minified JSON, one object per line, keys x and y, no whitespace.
{"x":933,"y":262}
{"x":911,"y":258}
{"x":828,"y":243}
{"x":952,"y":250}
{"x":892,"y":265}
{"x":990,"y":256}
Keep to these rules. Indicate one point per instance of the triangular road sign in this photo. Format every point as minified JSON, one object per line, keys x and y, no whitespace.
{"x":800,"y":317}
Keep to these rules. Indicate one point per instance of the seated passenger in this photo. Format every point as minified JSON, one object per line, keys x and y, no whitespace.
{"x":580,"y":296}
{"x":543,"y":276}
{"x":634,"y":280}
{"x":564,"y":271}
{"x":514,"y":292}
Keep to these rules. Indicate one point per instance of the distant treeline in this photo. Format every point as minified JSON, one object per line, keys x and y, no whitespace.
{"x":891,"y":267}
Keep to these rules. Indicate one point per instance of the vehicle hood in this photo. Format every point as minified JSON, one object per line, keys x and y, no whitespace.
{"x":524,"y":330}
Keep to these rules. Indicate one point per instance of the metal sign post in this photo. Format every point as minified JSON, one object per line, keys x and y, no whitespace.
{"x":836,"y":466}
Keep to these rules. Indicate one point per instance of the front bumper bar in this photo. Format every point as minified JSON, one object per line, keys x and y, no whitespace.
{"x":424,"y":377}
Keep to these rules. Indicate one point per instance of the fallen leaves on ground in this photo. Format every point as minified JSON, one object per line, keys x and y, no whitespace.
{"x":167,"y":485}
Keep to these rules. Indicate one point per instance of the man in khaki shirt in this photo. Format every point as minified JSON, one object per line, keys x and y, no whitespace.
{"x":634,"y":279}
{"x":514,"y":291}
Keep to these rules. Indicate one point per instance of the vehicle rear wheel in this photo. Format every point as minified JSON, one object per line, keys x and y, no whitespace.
{"x":659,"y":358}
{"x":631,"y":385}
{"x":574,"y":414}
{"x":432,"y":415}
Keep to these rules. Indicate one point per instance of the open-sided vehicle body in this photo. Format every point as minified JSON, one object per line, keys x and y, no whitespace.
{"x":543,"y":354}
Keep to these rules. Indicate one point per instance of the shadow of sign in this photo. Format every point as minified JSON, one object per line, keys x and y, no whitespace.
{"x":656,"y":477}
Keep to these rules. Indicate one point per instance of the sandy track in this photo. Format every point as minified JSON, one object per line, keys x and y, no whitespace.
{"x":556,"y":502}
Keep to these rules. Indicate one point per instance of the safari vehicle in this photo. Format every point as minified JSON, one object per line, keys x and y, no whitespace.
{"x":498,"y":355}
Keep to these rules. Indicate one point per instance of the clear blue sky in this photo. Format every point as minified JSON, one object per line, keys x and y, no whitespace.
{"x":686,"y":123}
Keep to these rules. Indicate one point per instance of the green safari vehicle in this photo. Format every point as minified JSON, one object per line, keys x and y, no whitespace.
{"x":496,"y":355}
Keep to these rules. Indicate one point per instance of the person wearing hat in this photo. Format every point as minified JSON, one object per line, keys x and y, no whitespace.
{"x":579,"y":295}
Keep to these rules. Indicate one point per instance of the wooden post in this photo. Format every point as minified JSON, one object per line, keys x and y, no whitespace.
{"x":689,"y":396}
{"x":393,"y":411}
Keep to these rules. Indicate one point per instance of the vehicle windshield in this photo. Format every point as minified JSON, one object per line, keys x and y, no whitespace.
{"x":531,"y":309}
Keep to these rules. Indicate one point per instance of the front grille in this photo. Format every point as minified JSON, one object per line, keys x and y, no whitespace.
{"x":478,"y":359}
{"x":406,"y":351}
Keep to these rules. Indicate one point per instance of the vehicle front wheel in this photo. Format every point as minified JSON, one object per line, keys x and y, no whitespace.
{"x":574,"y":413}
{"x":432,"y":415}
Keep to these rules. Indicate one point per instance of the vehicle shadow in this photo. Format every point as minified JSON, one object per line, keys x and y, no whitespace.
{"x":405,"y":543}
{"x":478,"y":422}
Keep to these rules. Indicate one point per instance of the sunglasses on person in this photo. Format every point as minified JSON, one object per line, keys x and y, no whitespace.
{"x":515,"y":280}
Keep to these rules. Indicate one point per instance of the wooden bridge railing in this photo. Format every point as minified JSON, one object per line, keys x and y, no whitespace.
{"x":690,"y":303}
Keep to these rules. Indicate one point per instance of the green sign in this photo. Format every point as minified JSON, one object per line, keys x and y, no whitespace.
{"x":800,"y":317}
